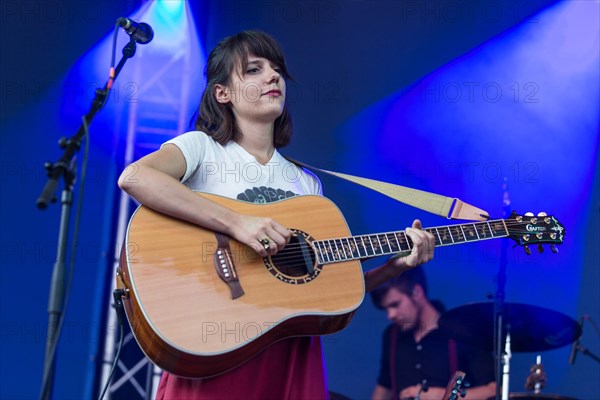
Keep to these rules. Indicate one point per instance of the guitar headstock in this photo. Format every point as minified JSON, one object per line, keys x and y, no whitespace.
{"x":530,"y":229}
{"x":456,"y":387}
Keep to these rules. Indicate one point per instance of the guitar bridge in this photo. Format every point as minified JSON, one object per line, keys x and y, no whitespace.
{"x":225,"y":267}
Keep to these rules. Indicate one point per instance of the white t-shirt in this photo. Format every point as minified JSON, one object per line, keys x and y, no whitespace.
{"x":290,"y":368}
{"x":232,"y":172}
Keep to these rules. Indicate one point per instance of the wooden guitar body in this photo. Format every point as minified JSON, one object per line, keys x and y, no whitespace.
{"x":182,"y":312}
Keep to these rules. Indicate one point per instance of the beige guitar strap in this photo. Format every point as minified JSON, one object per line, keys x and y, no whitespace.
{"x":451,"y":208}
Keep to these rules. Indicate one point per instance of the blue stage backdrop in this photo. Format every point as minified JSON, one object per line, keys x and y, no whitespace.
{"x":451,"y":97}
{"x":509,"y":111}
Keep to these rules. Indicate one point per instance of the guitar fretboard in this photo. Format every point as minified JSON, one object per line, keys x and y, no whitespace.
{"x":380,"y":244}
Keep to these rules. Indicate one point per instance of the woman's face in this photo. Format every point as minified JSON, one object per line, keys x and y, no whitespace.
{"x":256,"y":93}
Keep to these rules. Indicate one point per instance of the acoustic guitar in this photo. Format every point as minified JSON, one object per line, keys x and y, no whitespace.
{"x":200,"y":303}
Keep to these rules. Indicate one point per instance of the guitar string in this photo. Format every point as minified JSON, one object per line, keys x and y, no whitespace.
{"x":454,"y":235}
{"x":298,"y":261}
{"x":356,"y":253}
{"x":330,"y":254}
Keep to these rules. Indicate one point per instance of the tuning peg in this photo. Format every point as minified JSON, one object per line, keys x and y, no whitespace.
{"x":554,"y":249}
{"x":529,"y":214}
{"x":540,"y":248}
{"x":527,"y":250}
{"x":542,"y":214}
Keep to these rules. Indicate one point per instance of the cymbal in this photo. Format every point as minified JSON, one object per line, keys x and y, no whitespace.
{"x":532,"y":328}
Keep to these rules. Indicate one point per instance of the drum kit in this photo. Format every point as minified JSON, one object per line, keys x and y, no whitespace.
{"x":528,"y":329}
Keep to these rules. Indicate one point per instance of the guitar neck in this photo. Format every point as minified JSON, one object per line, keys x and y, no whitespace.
{"x":381,"y":244}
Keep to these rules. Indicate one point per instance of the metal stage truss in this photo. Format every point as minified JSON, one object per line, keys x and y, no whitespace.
{"x":159,"y":112}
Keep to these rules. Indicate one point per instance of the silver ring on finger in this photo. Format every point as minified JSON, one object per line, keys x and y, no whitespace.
{"x":266,"y":243}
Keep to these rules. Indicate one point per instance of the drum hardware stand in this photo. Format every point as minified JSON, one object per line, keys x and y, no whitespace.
{"x":537,"y":377}
{"x":584,"y":350}
{"x":506,"y":367}
{"x":538,"y":370}
{"x":579,"y":348}
{"x":502,"y":360}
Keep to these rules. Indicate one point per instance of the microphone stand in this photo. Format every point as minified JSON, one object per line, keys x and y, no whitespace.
{"x":499,"y":307}
{"x":65,"y":168}
{"x":579,"y":348}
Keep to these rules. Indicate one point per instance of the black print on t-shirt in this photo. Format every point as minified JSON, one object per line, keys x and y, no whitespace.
{"x":264,"y":194}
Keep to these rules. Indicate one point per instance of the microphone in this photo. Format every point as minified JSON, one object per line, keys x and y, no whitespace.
{"x":141,"y":32}
{"x":575,"y":346}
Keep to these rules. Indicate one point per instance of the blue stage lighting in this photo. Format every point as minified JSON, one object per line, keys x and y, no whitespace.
{"x":172,"y":7}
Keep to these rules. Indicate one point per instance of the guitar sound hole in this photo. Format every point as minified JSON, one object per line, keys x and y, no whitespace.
{"x":296,"y":262}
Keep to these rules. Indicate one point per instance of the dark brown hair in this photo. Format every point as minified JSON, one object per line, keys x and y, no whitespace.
{"x":217,"y":119}
{"x":404,"y":283}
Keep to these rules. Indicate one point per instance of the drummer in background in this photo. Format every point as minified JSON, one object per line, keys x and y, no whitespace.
{"x":418,"y":359}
